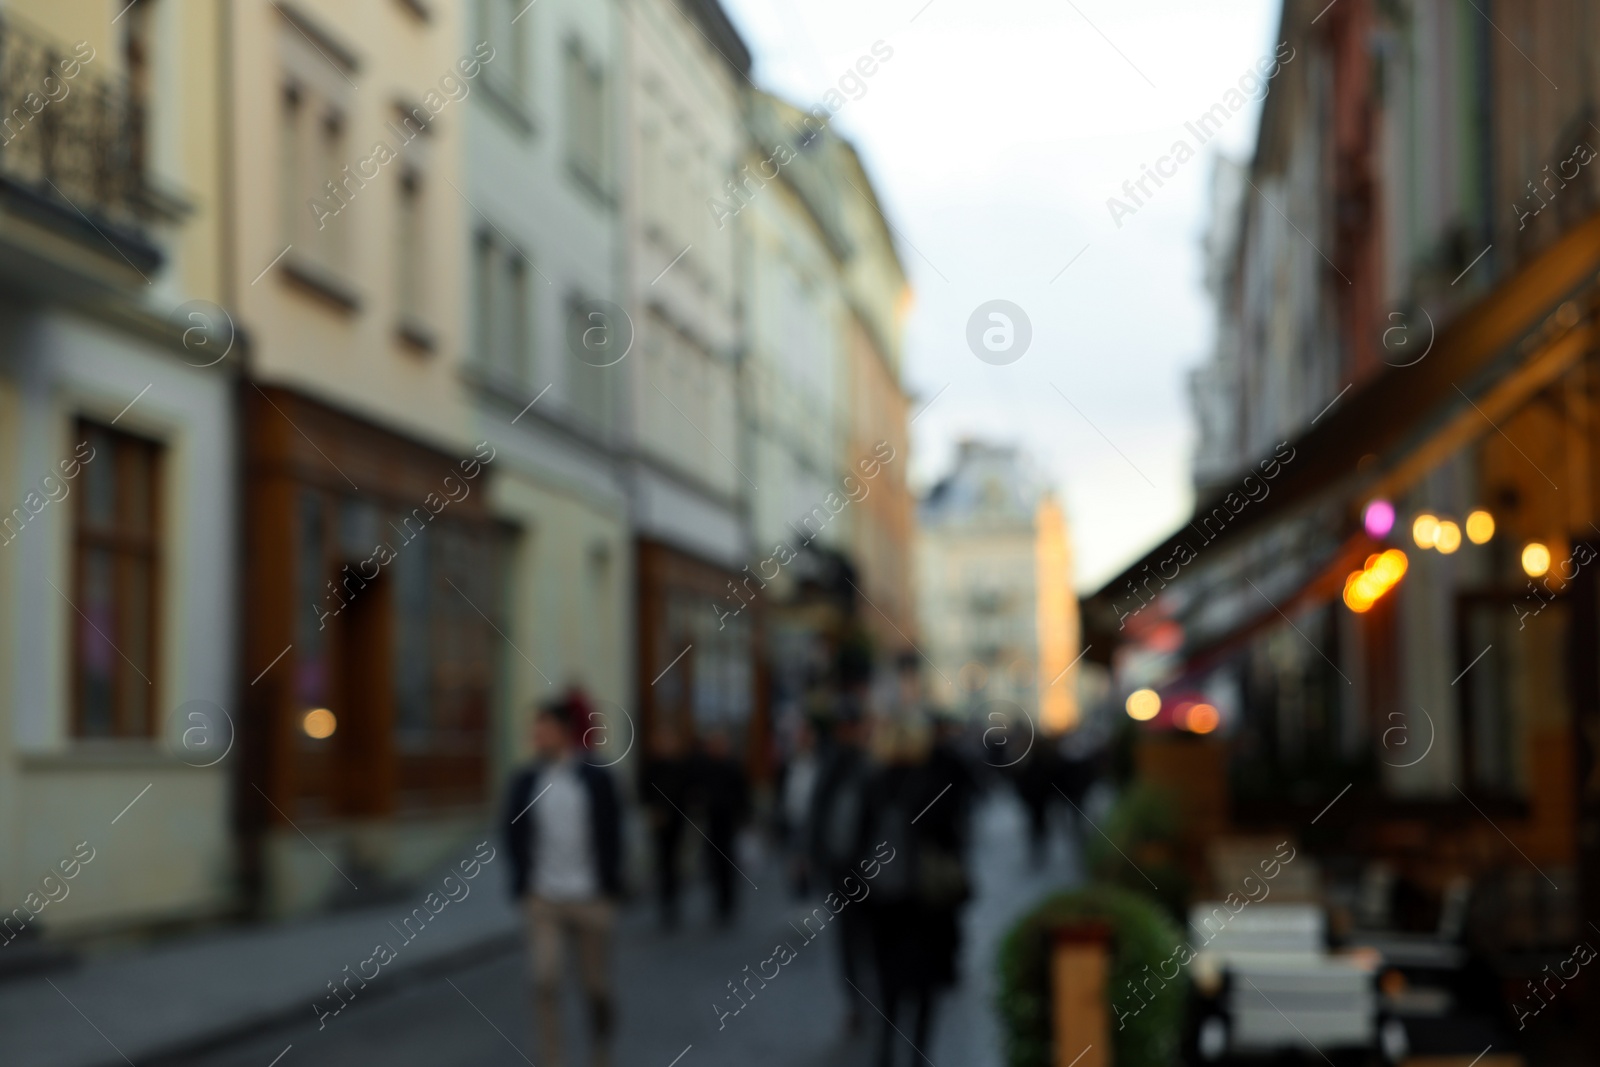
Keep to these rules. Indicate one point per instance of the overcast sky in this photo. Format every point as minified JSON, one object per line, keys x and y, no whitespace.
{"x":995,"y":134}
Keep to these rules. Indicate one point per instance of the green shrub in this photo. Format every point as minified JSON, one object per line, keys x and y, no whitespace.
{"x":1141,"y":935}
{"x":1141,"y":829}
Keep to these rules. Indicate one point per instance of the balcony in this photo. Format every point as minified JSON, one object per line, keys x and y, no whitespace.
{"x":71,"y":158}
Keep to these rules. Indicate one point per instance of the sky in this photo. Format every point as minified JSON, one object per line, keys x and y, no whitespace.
{"x":995,"y":134}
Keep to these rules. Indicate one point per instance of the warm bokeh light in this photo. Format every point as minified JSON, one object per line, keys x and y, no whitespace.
{"x":1378,"y":518}
{"x":1382,"y":571}
{"x":1144,"y":704}
{"x":1203,"y":718}
{"x":319,"y":723}
{"x":1424,"y":528}
{"x":1448,"y":539}
{"x":1535,"y":559}
{"x":1480,"y":527}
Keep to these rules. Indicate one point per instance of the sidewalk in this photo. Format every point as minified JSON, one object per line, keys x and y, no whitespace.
{"x":156,"y":1003}
{"x":459,"y":993}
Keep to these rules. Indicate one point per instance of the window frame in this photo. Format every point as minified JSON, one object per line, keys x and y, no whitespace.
{"x":121,"y":544}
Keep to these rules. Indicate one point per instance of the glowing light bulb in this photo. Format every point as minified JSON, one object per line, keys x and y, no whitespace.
{"x":1424,"y":528}
{"x":1203,"y":718}
{"x":1480,"y":527}
{"x":1143,"y":704}
{"x":1378,"y":518}
{"x":319,"y":723}
{"x":1448,"y":539}
{"x":1535,"y":559}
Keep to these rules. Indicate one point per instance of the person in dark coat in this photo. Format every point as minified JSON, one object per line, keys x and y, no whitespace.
{"x":724,"y":798}
{"x":1035,"y":778}
{"x":793,"y":791}
{"x":667,"y":777}
{"x":563,"y":832}
{"x":834,"y":845}
{"x":915,"y":907}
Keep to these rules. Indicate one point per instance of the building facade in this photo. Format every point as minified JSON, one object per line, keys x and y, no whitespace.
{"x":1384,"y":586}
{"x":999,"y":618}
{"x":372,"y":554}
{"x":547,"y":346}
{"x":686,"y":70}
{"x":118,"y":606}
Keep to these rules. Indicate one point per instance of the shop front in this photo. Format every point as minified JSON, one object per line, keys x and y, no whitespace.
{"x":372,"y":649}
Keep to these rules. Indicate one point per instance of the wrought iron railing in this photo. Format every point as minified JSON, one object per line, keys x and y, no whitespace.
{"x":67,"y":135}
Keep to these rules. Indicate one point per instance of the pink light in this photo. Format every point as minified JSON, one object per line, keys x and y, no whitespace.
{"x":1379,"y":518}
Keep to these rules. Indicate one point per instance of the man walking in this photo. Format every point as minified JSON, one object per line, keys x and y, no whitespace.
{"x":563,"y":833}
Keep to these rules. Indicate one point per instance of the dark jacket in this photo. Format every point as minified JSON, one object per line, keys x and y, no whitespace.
{"x":605,"y":826}
{"x":836,"y":806}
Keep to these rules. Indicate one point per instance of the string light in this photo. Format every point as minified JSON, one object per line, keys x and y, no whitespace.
{"x":1480,"y":527}
{"x":1143,"y":704}
{"x":1382,"y":571}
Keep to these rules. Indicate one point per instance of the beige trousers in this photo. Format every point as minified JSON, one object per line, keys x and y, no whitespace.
{"x":551,"y":924}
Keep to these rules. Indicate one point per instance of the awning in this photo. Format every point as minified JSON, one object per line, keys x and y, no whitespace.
{"x":1411,"y":418}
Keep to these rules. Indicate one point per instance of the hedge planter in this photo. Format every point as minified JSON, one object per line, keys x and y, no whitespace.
{"x":1147,"y":1023}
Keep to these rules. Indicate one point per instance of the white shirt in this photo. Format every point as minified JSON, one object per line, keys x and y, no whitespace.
{"x":563,"y":864}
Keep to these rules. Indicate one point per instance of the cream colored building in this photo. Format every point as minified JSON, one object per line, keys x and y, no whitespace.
{"x":117,"y":471}
{"x":999,"y":617}
{"x":375,"y":544}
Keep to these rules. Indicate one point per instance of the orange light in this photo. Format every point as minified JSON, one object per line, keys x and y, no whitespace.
{"x":1535,"y":559}
{"x":1381,"y":573}
{"x":319,"y":723}
{"x":1480,"y":527}
{"x":1424,"y":528}
{"x":1203,"y":718}
{"x":1143,"y":704}
{"x":1448,"y":539}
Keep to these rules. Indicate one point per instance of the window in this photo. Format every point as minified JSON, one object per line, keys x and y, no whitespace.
{"x":586,"y":127}
{"x":315,"y":191}
{"x":293,"y":176}
{"x":116,"y":569}
{"x":504,"y":25}
{"x":589,"y":384}
{"x":502,"y":309}
{"x":410,"y":255}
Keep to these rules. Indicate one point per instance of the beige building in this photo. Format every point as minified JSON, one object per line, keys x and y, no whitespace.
{"x":999,"y":617}
{"x":373,"y":548}
{"x":118,"y":544}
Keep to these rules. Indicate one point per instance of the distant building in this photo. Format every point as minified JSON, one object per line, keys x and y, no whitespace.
{"x":999,"y":618}
{"x":823,"y":409}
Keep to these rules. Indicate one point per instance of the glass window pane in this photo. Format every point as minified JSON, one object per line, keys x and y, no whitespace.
{"x":97,"y":656}
{"x":100,"y":481}
{"x":134,"y":642}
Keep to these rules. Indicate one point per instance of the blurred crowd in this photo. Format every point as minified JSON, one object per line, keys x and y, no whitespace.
{"x":889,"y":790}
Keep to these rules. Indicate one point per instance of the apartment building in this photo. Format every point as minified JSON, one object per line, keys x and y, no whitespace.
{"x":548,"y":346}
{"x":685,"y":74}
{"x":118,"y":377}
{"x":373,"y":554}
{"x":998,"y":613}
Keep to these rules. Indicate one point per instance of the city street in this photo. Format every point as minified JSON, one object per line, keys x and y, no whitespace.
{"x":668,"y":982}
